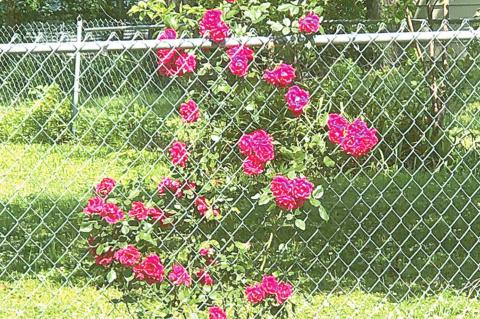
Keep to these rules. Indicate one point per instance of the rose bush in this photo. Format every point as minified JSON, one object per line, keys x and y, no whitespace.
{"x":166,"y":237}
{"x":131,"y":252}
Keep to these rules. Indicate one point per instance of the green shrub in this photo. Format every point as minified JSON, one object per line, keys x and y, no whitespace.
{"x":126,"y":121}
{"x":43,"y":118}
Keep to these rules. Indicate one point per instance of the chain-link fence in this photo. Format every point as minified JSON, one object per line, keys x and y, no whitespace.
{"x":402,"y":235}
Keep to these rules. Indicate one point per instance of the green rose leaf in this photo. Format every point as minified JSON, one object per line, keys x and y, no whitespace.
{"x":318,"y":192}
{"x":328,"y":162}
{"x":300,"y":224}
{"x":315,"y":202}
{"x":86,"y":228}
{"x":134,"y":194}
{"x":323,"y":213}
{"x":125,"y":229}
{"x":276,"y":26}
{"x":111,"y":276}
{"x":264,"y":199}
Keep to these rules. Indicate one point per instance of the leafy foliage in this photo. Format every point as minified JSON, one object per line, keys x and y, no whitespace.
{"x":19,"y":11}
{"x":45,"y":119}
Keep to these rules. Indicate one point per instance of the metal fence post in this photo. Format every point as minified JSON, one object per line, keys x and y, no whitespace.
{"x":76,"y":83}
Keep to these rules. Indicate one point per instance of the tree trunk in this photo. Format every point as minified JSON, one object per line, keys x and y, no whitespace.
{"x":11,"y":12}
{"x":121,"y":9}
{"x":374,"y":9}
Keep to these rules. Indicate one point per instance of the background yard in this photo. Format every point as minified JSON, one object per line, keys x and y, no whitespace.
{"x":396,"y":233}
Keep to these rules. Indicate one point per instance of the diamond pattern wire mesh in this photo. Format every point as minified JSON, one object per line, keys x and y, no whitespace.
{"x":403,"y":221}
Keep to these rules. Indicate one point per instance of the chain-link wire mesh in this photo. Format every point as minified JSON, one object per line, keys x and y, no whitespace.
{"x":403,"y":220}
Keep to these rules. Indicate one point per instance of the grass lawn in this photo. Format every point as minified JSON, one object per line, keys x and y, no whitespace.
{"x":32,"y":298}
{"x":42,"y":189}
{"x":68,"y":171}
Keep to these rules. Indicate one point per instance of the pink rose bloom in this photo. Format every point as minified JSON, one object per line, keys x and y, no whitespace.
{"x":189,"y":111}
{"x":358,"y":139}
{"x":240,"y":51}
{"x":157,"y":214}
{"x":263,"y":148}
{"x":104,"y":259}
{"x":302,"y":188}
{"x":259,"y":149}
{"x":204,"y":252}
{"x":179,"y":154}
{"x":282,"y":76}
{"x":281,"y":185}
{"x":213,"y":26}
{"x":185,"y":63}
{"x":270,"y":284}
{"x":217,"y":312}
{"x":286,"y":202}
{"x":190,"y":186}
{"x":255,"y":293}
{"x":166,"y":60}
{"x":284,"y":291}
{"x":94,"y":206}
{"x":111,"y":213}
{"x":240,"y":57}
{"x":252,"y":166}
{"x":179,"y":276}
{"x":167,"y":57}
{"x":168,"y":34}
{"x":164,"y":185}
{"x":336,"y":126}
{"x":128,"y":256}
{"x":231,"y":1}
{"x":290,"y":194}
{"x":204,"y":277}
{"x":174,"y":186}
{"x":105,"y":187}
{"x":297,"y":99}
{"x":138,"y":211}
{"x":239,"y":66}
{"x":201,"y":205}
{"x":150,"y":270}
{"x":245,"y":144}
{"x":174,"y":61}
{"x":309,"y":24}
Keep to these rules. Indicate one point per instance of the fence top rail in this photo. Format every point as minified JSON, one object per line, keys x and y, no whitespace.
{"x":335,"y":39}
{"x":124,"y":27}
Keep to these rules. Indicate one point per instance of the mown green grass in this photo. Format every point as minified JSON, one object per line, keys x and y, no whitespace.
{"x":68,"y":171}
{"x":362,"y":305}
{"x":32,"y":298}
